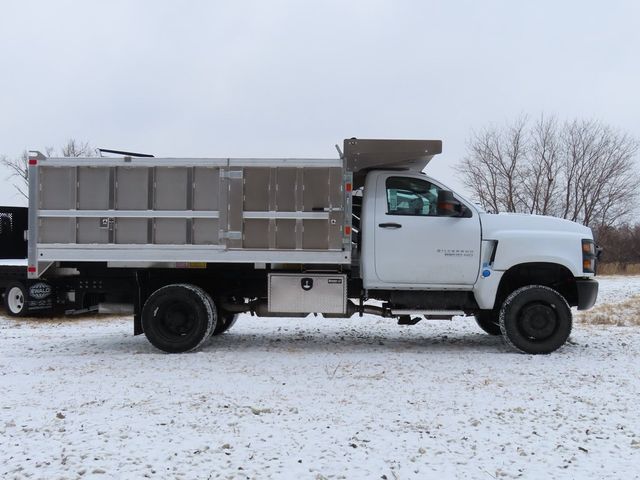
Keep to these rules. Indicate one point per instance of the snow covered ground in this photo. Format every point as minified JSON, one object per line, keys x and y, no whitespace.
{"x":318,"y":398}
{"x":10,"y":262}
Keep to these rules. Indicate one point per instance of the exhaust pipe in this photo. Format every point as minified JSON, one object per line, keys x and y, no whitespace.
{"x":115,"y":308}
{"x":353,"y":308}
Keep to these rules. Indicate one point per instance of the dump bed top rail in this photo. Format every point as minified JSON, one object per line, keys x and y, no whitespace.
{"x":189,"y":162}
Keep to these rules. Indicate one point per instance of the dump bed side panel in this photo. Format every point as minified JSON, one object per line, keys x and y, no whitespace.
{"x":189,"y":210}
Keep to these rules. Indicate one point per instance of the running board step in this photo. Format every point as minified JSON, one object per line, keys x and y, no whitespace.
{"x":407,"y":320}
{"x":429,"y":314}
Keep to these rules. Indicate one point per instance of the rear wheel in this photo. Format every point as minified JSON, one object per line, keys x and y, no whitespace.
{"x":535,"y":319}
{"x":488,"y":320}
{"x":226,"y":320}
{"x":15,"y":297}
{"x":178,"y":318}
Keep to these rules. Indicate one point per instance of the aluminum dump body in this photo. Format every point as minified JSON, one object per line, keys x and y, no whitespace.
{"x":188,"y":210}
{"x":184,"y":212}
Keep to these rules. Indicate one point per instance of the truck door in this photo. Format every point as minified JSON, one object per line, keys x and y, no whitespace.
{"x":413,"y":245}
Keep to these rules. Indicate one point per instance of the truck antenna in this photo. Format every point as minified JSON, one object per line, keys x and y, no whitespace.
{"x":339,"y":151}
{"x":126,"y":154}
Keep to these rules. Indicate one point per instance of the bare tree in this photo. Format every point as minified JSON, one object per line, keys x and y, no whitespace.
{"x":19,"y":166}
{"x":74,"y":148}
{"x":580,"y":170}
{"x":494,"y":169}
{"x":543,"y":167}
{"x":19,"y":172}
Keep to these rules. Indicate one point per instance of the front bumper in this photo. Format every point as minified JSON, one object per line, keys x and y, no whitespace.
{"x":587,"y":293}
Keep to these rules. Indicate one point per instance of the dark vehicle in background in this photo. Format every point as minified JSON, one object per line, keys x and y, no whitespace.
{"x":13,"y":258}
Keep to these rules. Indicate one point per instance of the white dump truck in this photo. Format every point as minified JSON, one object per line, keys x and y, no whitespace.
{"x":187,"y":244}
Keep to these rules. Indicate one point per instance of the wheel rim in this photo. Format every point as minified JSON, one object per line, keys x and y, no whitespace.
{"x":15,"y":300}
{"x":176,"y":319}
{"x":538,"y":321}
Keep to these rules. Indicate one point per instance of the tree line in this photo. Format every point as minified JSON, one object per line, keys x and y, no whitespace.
{"x":580,"y":170}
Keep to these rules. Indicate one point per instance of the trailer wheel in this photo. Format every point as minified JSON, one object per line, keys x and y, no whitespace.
{"x":15,"y":298}
{"x":178,"y":318}
{"x":535,"y":319}
{"x":225,"y":322}
{"x":488,"y":321}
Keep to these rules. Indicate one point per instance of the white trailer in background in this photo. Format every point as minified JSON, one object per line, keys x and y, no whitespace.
{"x":189,"y":243}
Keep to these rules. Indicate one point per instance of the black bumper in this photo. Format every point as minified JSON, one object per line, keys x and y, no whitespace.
{"x":587,"y":293}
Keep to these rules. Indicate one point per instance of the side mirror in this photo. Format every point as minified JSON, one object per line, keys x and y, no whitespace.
{"x":464,"y":211}
{"x":448,"y":206}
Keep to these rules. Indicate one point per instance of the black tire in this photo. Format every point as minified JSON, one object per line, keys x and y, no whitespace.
{"x":15,"y":299}
{"x":178,"y":318}
{"x":488,"y":321}
{"x":535,"y":319}
{"x":226,"y":320}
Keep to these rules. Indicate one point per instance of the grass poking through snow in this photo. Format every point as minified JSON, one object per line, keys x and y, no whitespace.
{"x":625,"y":313}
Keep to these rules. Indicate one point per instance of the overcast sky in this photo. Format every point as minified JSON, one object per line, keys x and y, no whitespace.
{"x":276,"y":78}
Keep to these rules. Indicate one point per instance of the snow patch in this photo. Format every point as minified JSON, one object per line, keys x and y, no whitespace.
{"x":318,"y":398}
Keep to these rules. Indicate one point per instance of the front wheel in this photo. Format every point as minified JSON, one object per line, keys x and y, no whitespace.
{"x":178,"y":318}
{"x":15,"y":297}
{"x":535,"y":319}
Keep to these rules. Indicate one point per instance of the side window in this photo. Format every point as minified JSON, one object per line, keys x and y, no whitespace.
{"x":411,"y":196}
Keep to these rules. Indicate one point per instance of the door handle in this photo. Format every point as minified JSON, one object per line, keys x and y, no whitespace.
{"x":390,"y":225}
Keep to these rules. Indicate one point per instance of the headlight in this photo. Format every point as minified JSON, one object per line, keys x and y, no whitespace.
{"x":588,"y":256}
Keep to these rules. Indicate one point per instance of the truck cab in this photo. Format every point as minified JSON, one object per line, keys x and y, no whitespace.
{"x":425,"y":247}
{"x":410,"y":242}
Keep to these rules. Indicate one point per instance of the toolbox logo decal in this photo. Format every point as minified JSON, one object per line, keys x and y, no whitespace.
{"x":39,"y":290}
{"x":306,"y":283}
